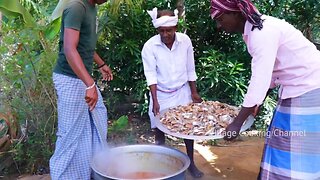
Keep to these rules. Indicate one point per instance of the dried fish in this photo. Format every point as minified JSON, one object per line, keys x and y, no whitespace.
{"x":207,"y":118}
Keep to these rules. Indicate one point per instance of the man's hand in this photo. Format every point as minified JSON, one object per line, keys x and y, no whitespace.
{"x":91,"y":97}
{"x":106,"y":73}
{"x":196,"y":98}
{"x":232,"y":131}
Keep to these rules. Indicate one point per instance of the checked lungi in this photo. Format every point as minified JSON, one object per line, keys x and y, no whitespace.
{"x":80,"y":133}
{"x":292,"y":147}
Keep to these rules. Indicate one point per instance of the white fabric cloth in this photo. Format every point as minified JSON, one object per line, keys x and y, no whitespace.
{"x":281,"y":55}
{"x":169,"y":69}
{"x":165,"y":21}
{"x":167,"y":100}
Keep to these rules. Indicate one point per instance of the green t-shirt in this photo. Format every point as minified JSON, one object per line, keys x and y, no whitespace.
{"x":81,"y":16}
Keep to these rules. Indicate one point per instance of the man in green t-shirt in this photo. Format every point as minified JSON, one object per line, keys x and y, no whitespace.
{"x":82,"y":116}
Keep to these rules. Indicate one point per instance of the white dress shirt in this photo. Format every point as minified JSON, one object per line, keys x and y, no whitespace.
{"x":169,"y":69}
{"x":281,"y":55}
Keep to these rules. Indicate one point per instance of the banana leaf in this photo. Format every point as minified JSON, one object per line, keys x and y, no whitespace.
{"x":57,"y":12}
{"x":53,"y":28}
{"x":13,"y":8}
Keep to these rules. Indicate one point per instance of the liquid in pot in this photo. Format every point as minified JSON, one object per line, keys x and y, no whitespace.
{"x":142,"y":175}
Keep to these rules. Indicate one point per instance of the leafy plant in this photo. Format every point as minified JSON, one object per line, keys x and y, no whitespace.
{"x":266,"y":111}
{"x":221,"y":78}
{"x":119,"y":125}
{"x":27,"y":58}
{"x":13,"y":8}
{"x":302,"y":14}
{"x":120,"y":44}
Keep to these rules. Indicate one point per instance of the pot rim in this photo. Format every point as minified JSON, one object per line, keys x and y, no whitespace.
{"x":145,"y":148}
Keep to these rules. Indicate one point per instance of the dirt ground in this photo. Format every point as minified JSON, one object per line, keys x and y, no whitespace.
{"x":238,"y":160}
{"x":219,"y":160}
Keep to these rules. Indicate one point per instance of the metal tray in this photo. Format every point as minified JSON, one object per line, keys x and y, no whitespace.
{"x":246,"y":125}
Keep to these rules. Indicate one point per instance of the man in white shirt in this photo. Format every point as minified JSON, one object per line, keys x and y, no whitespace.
{"x":281,"y":56}
{"x":168,"y":63}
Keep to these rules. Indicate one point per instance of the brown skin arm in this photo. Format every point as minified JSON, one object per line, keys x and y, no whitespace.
{"x":156,"y":106}
{"x":233,"y":129}
{"x":105,"y":70}
{"x":194,"y":93}
{"x":97,"y":59}
{"x":71,"y":40}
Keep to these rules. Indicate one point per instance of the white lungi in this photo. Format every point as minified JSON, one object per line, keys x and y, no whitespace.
{"x":170,"y":99}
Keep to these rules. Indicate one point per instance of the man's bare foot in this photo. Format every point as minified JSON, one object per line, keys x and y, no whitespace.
{"x":159,"y":142}
{"x":194,"y":171}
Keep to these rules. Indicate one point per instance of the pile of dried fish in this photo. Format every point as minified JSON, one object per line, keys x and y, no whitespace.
{"x":207,"y":118}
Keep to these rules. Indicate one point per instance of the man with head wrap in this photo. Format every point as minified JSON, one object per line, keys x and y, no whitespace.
{"x":281,"y":56}
{"x":168,"y":63}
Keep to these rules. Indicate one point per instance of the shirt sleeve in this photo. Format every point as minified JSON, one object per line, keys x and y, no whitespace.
{"x":191,"y":72}
{"x":149,"y":64}
{"x":73,"y":15}
{"x":263,"y":46}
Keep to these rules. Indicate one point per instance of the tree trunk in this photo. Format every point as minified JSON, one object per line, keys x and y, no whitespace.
{"x":180,"y":7}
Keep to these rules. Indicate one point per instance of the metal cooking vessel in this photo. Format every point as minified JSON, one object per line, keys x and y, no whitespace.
{"x":169,"y":162}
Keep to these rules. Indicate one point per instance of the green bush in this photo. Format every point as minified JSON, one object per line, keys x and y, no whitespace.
{"x":221,"y":78}
{"x":27,"y":59}
{"x":122,"y":37}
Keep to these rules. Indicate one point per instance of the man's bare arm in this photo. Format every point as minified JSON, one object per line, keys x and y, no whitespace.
{"x":70,"y":43}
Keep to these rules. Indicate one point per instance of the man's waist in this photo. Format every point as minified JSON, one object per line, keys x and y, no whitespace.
{"x":169,"y":90}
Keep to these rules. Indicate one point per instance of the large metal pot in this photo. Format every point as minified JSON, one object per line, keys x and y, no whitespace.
{"x":149,"y":162}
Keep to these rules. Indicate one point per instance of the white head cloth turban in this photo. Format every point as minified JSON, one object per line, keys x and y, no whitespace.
{"x":165,"y":21}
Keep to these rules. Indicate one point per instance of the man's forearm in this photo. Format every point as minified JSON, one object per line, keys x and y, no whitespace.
{"x":193,"y":87}
{"x":153,"y":90}
{"x":97,"y":59}
{"x":76,"y":64}
{"x":244,"y":113}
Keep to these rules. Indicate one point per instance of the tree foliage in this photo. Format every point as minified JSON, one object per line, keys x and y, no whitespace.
{"x":303,"y":14}
{"x":28,"y":53}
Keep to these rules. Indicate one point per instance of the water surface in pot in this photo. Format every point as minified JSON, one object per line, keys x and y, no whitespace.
{"x":141,"y":162}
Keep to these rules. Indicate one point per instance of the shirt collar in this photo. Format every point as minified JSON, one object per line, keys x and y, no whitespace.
{"x":248,"y":26}
{"x":177,"y":39}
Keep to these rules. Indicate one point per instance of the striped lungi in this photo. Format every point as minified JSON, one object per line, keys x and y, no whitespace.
{"x":181,"y":96}
{"x":80,"y":133}
{"x":292,"y":147}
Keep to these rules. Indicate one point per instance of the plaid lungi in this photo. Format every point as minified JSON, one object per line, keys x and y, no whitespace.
{"x":80,"y":132}
{"x":292,"y":147}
